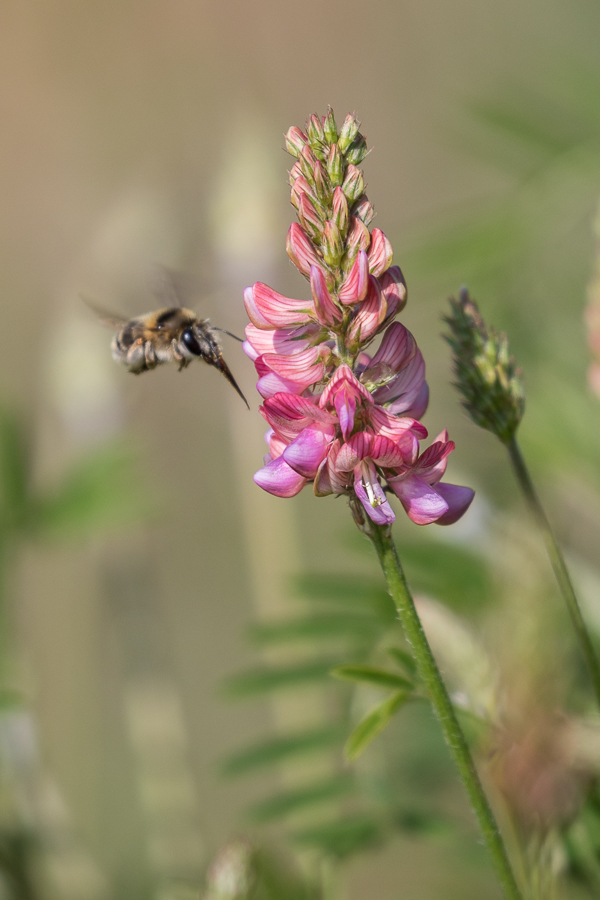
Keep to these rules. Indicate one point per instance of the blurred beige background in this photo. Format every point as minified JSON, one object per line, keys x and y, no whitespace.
{"x":141,"y":132}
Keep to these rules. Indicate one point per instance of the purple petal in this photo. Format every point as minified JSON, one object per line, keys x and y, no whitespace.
{"x":458,"y":499}
{"x":272,"y":384}
{"x":423,"y":504}
{"x":345,"y":406}
{"x":381,"y":514}
{"x":306,"y":452}
{"x":279,"y":479}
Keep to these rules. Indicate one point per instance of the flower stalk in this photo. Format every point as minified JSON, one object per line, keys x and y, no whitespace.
{"x":493,"y":396}
{"x":557,"y":561}
{"x":429,"y":672}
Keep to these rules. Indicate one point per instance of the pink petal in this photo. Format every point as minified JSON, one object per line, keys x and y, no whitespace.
{"x":326,"y":310}
{"x":300,"y":186}
{"x":300,"y":249}
{"x":276,"y":444}
{"x":345,"y":406}
{"x":420,"y":404}
{"x":344,"y":375}
{"x":458,"y":499}
{"x":432,"y":462}
{"x":254,"y":314}
{"x":280,"y":340}
{"x":354,"y":288}
{"x":278,"y":310}
{"x":306,"y":453}
{"x":322,"y":483}
{"x":393,"y":288}
{"x":288,"y":414}
{"x":380,"y":253}
{"x":279,"y":479}
{"x":304,"y":367}
{"x":377,"y":505}
{"x":423,"y":504}
{"x":394,"y":427}
{"x":347,"y":459}
{"x":370,"y":314}
{"x":249,"y":349}
{"x":272,"y":383}
{"x":396,"y":350}
{"x":386,"y":453}
{"x":401,"y":393}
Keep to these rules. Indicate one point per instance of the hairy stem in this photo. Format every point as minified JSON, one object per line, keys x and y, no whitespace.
{"x":558,"y":563}
{"x":392,"y":568}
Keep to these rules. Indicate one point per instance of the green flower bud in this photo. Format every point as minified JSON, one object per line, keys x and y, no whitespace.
{"x":353,"y":184}
{"x":332,"y":244}
{"x":348,"y":132}
{"x":357,"y":150}
{"x":329,"y":127}
{"x":335,"y":166}
{"x":486,"y":374}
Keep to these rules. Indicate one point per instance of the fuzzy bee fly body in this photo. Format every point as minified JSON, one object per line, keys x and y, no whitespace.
{"x":168,"y":335}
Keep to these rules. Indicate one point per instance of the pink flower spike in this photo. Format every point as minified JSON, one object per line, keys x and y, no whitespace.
{"x":326,"y":311}
{"x":393,"y":288}
{"x":370,"y":315}
{"x":279,"y":479}
{"x":458,"y":499}
{"x":380,"y":253}
{"x":306,"y":452}
{"x":354,"y":288}
{"x":300,"y":249}
{"x":423,"y":504}
{"x":371,"y":494}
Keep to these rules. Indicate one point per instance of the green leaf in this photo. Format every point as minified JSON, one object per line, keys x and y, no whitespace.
{"x":373,"y":724}
{"x":279,"y":749}
{"x":286,"y":802}
{"x":348,"y":591}
{"x":343,"y":838}
{"x":323,"y":627}
{"x":100,"y":491}
{"x":404,"y":660}
{"x":371,"y":675}
{"x":262,"y":680}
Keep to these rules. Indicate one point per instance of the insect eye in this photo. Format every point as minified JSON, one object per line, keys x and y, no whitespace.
{"x":191,"y":343}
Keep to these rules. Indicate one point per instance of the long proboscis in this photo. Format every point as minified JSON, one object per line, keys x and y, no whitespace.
{"x":226,"y":371}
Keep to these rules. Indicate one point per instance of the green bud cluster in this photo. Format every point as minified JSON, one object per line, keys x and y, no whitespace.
{"x":486,"y":375}
{"x":328,"y":187}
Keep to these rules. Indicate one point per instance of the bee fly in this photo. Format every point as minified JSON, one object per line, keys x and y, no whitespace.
{"x":168,"y":335}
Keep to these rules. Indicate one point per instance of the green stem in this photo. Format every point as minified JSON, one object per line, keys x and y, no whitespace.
{"x":558,"y":563}
{"x":429,"y":672}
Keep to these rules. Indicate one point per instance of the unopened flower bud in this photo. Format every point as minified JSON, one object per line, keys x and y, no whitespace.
{"x":315,"y":132}
{"x":295,"y":140}
{"x":332,"y":244}
{"x":348,"y":132}
{"x":329,"y":127}
{"x":309,"y":219}
{"x":357,"y":150}
{"x":307,"y":161}
{"x":295,"y":172}
{"x":321,"y":183}
{"x":363,"y":210}
{"x":486,"y":375}
{"x":335,"y":165}
{"x":353,"y":184}
{"x":358,"y":239}
{"x":341,"y":215}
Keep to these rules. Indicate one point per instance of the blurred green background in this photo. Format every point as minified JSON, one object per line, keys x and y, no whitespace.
{"x":137,"y":552}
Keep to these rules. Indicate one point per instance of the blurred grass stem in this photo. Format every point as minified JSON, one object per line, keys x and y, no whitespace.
{"x":459,"y":749}
{"x":558,"y":563}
